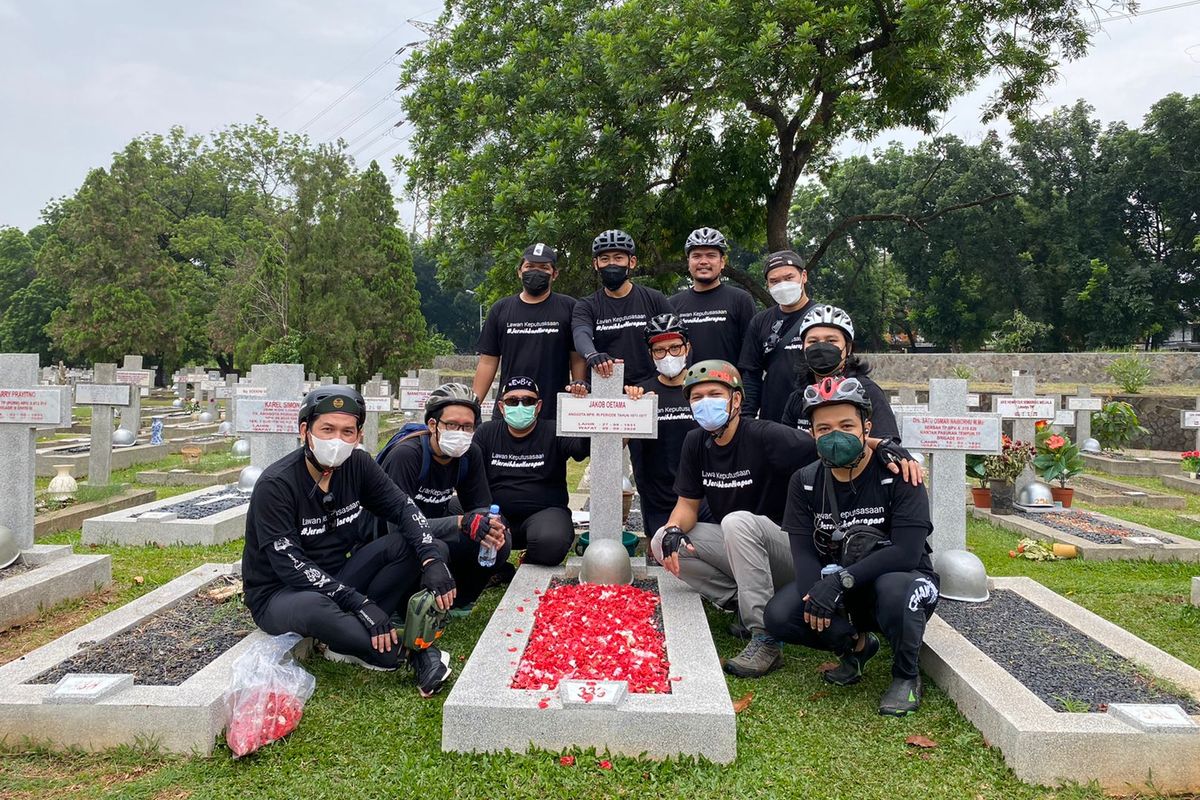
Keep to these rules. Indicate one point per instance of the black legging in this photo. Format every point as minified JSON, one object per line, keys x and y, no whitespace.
{"x":545,"y":536}
{"x":385,"y":570}
{"x":897,"y":604}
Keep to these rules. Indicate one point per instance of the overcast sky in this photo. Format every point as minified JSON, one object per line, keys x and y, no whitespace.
{"x":83,"y":78}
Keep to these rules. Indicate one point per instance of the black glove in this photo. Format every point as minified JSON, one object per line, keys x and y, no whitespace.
{"x":598,"y":358}
{"x":474,"y":524}
{"x":436,"y":577}
{"x":673,"y":541}
{"x":373,"y":619}
{"x":892,"y":453}
{"x":825,"y":597}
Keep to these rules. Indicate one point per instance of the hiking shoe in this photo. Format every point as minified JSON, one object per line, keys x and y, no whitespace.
{"x":738,"y":631}
{"x":850,"y":666}
{"x":902,"y":698}
{"x":431,"y":667}
{"x":761,"y":656}
{"x":342,"y":658}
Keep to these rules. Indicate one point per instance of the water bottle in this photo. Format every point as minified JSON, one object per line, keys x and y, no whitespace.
{"x":487,"y":553}
{"x":827,"y":570}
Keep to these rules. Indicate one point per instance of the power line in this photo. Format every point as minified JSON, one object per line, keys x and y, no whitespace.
{"x":1147,"y":12}
{"x":390,"y":60}
{"x":373,"y":128}
{"x":377,"y":139}
{"x":392,"y":95}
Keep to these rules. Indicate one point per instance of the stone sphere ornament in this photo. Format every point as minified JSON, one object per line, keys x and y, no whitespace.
{"x":248,"y":477}
{"x":10,"y":551}
{"x":225,"y":429}
{"x":963,"y":576}
{"x":241,"y":448}
{"x":177,"y":403}
{"x":606,"y":561}
{"x":1090,"y":446}
{"x":123,"y":437}
{"x":205,"y":418}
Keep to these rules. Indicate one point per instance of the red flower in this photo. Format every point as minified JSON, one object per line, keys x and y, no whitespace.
{"x":606,"y":764}
{"x":567,"y":761}
{"x":1054,"y":442}
{"x":1041,"y":423}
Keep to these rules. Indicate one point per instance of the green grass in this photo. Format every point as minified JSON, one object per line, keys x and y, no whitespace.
{"x":1165,"y":519}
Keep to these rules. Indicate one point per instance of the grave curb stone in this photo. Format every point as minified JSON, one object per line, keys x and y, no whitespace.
{"x":59,"y":575}
{"x":72,"y":517}
{"x":122,"y":458}
{"x":1180,"y":548}
{"x":121,"y":528}
{"x":1149,"y":468}
{"x":1112,"y":494}
{"x":1181,"y":484}
{"x":483,"y":714}
{"x":1196,"y":592}
{"x":171,"y":478}
{"x":1046,"y":747}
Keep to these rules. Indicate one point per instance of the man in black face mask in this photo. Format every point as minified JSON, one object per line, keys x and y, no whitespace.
{"x":529,"y":333}
{"x":609,"y":325}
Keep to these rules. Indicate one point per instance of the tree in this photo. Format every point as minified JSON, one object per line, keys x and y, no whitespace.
{"x":550,"y":122}
{"x":26,"y":301}
{"x":452,"y":313}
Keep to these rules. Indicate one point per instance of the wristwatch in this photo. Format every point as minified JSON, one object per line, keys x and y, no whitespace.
{"x":846,"y":579}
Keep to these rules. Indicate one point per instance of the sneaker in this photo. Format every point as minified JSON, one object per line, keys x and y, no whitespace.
{"x":761,"y":656}
{"x":738,"y":631}
{"x":432,"y":668}
{"x":342,"y":658}
{"x":902,"y":698}
{"x":462,"y":611}
{"x":850,"y":668}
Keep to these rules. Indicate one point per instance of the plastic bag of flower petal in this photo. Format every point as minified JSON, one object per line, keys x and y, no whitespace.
{"x":266,"y":694}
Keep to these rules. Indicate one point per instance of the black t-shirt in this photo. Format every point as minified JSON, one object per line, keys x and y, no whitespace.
{"x":716,"y":320}
{"x":534,"y":340}
{"x":876,"y":498}
{"x":529,"y":473}
{"x":619,"y":326}
{"x":883,"y":421}
{"x":750,"y":473}
{"x":292,"y":541}
{"x":656,"y":461}
{"x":782,"y":365}
{"x":432,"y":495}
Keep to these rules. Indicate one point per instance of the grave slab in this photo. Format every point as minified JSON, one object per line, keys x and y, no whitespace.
{"x":1048,"y":747}
{"x":1105,"y":492}
{"x":1175,"y":548}
{"x":207,"y":444}
{"x":57,"y":575}
{"x":122,"y":458}
{"x":1136,"y":467}
{"x":133,"y":527}
{"x":72,"y":517}
{"x":1181,"y":483}
{"x":180,"y":719}
{"x":1196,"y":592}
{"x":187,"y":477}
{"x":484,"y":714}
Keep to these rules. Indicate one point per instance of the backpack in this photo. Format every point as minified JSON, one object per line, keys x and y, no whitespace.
{"x":412,"y":430}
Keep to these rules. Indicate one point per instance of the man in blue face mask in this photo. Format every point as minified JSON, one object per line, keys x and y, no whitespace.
{"x":740,"y":466}
{"x":526,"y":465}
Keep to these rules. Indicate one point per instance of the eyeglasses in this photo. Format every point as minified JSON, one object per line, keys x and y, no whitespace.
{"x":513,"y":402}
{"x":464,"y":427}
{"x":674,"y":350}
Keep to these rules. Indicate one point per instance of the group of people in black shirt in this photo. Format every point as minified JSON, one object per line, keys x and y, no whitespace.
{"x":776,"y":487}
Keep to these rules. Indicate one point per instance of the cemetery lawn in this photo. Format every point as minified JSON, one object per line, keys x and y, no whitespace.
{"x":366,"y":734}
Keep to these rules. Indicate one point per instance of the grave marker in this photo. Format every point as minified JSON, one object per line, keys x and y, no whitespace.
{"x":131,"y":373}
{"x":1085,"y":403}
{"x":102,"y":395}
{"x":1024,"y":408}
{"x":1191,"y":419}
{"x":377,"y":403}
{"x":271,"y":420}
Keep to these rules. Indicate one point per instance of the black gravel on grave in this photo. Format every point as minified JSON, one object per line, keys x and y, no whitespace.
{"x":167,"y":649}
{"x":1085,"y":521}
{"x":1053,"y":660}
{"x":16,"y":568}
{"x":191,"y":509}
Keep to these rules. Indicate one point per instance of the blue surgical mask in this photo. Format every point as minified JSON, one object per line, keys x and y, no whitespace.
{"x":711,"y":413}
{"x":520,"y":417}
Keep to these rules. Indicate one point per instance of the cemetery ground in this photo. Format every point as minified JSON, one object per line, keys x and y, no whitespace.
{"x":365,"y":734}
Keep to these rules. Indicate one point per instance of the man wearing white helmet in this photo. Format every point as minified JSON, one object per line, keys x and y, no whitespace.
{"x":716,"y":314}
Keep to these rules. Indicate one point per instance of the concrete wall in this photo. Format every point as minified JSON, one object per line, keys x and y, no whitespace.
{"x":1088,"y":368}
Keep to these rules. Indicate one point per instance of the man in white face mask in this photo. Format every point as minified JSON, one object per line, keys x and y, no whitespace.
{"x":440,"y":467}
{"x":310,"y":566}
{"x":773,"y":344}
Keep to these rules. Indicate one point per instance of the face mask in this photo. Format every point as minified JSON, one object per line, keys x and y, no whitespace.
{"x":535,"y":282}
{"x":787,"y":293}
{"x":711,"y":413}
{"x":454,"y":443}
{"x":330,"y":453}
{"x":823,"y":357}
{"x":520,"y":417}
{"x":840,"y":449}
{"x":613,"y":278}
{"x":670,"y":366}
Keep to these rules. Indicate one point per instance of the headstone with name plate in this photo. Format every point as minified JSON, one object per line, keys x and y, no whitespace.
{"x":271,"y":420}
{"x":1024,"y":408}
{"x":1190,"y":420}
{"x":1083,"y":405}
{"x":131,"y":372}
{"x":103,"y":394}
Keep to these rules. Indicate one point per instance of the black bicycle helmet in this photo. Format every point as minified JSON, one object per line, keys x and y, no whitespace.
{"x":334,"y":398}
{"x":664,"y":325}
{"x":450,"y":394}
{"x":613,"y":239}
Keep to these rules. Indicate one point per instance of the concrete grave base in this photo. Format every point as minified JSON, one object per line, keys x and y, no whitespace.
{"x":127,"y":528}
{"x":1181,"y":483}
{"x":58,"y":574}
{"x":207,"y":445}
{"x":483,"y":714}
{"x":1044,"y":746}
{"x":186,"y":477}
{"x":1141,"y":467}
{"x":1196,"y":592}
{"x":1105,"y":492}
{"x":179,"y":719}
{"x":1179,"y":548}
{"x":122,"y":458}
{"x":72,"y":517}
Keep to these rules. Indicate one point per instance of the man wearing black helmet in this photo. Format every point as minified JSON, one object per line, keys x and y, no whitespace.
{"x":442,"y":470}
{"x":772,"y":344}
{"x":717,"y":314}
{"x":529,"y":333}
{"x":608,"y":325}
{"x":307,"y":565}
{"x":859,"y":543}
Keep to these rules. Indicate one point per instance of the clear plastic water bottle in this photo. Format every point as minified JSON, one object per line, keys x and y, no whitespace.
{"x":827,"y":570}
{"x":487,"y":553}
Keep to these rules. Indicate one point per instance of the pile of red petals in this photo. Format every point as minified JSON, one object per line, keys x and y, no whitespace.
{"x":260,"y":718}
{"x":597,"y":633}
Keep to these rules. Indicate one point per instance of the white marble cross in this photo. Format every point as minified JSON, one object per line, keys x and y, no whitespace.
{"x":1081,"y":406}
{"x":141,"y":380}
{"x":103,"y":394}
{"x":1024,"y":408}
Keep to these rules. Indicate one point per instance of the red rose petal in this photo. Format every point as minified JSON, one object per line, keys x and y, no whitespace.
{"x":606,"y":764}
{"x":567,"y":761}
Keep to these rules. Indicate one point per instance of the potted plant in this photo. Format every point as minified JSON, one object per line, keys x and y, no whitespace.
{"x":1190,"y":461}
{"x":1116,"y":425}
{"x":1002,"y":472}
{"x":1058,"y":459}
{"x":977,"y":471}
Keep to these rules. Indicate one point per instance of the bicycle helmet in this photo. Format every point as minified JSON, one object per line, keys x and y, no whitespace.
{"x":613,"y":239}
{"x":833,"y":391}
{"x":450,"y":394}
{"x":664,"y":326}
{"x":828,"y":317}
{"x":333,"y":398}
{"x":706,"y":237}
{"x":712,"y":371}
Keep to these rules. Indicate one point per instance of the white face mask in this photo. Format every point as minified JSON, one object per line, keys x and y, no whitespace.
{"x":454,"y":443}
{"x":787,"y":292}
{"x":331,"y":453}
{"x":670,"y":366}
